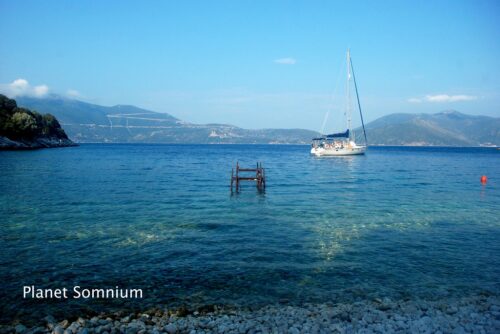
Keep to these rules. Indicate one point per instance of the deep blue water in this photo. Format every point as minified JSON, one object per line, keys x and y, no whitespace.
{"x":398,"y":223}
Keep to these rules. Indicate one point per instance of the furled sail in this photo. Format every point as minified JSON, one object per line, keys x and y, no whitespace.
{"x":339,"y":135}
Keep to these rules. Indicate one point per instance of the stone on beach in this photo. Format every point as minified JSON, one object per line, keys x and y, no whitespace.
{"x":473,"y":314}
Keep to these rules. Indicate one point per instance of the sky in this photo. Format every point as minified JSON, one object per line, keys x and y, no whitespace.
{"x":256,"y":64}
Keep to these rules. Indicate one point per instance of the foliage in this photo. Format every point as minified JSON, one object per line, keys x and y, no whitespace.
{"x":23,"y":124}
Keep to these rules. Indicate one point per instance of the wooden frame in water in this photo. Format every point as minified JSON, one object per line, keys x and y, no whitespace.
{"x":259,"y":178}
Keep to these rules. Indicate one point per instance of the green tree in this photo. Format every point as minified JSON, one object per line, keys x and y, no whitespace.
{"x":7,"y":107}
{"x":23,"y":125}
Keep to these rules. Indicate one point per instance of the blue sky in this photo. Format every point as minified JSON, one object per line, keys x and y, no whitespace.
{"x":256,"y":63}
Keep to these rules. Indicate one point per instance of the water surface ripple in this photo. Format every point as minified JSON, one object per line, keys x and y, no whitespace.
{"x":398,"y":222}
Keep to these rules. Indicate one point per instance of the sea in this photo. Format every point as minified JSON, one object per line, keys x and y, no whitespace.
{"x":399,"y":222}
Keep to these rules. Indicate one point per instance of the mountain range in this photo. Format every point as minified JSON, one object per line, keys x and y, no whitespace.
{"x":85,"y":122}
{"x":447,"y":128}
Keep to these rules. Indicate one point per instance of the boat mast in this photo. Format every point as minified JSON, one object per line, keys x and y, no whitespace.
{"x":357,"y":97}
{"x":348,"y":93}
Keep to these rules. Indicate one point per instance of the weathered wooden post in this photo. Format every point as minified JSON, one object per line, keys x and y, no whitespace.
{"x":237,"y":177}
{"x":232,"y":179}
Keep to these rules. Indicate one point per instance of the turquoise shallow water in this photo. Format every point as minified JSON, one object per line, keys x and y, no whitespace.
{"x":398,"y":223}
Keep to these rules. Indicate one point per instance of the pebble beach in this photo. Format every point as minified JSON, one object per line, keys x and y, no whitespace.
{"x":479,"y":314}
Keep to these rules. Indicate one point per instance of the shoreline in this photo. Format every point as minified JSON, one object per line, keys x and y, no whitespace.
{"x":477,"y":314}
{"x":277,"y":144}
{"x":7,"y":144}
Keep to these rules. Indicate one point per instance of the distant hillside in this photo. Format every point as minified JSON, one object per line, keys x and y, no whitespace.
{"x":448,"y":128}
{"x":21,"y":128}
{"x":85,"y":122}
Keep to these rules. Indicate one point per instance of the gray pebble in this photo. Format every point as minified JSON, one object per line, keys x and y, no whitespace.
{"x":64,"y":323}
{"x":171,"y":329}
{"x":471,"y":314}
{"x":20,"y":329}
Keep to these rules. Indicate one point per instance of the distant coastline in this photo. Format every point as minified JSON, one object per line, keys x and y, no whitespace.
{"x":7,"y":144}
{"x":86,"y":123}
{"x":285,"y":144}
{"x":436,"y":146}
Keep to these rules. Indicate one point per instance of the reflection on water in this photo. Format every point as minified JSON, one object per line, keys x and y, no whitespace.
{"x":405,"y":223}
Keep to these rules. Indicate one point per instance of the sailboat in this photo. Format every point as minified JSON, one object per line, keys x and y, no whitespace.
{"x":343,"y":143}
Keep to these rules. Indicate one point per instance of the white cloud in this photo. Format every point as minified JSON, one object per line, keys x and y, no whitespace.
{"x":19,"y":84}
{"x":449,"y":98}
{"x":442,"y":98}
{"x":41,"y":90}
{"x":21,"y":87}
{"x":285,"y":61}
{"x":73,"y":93}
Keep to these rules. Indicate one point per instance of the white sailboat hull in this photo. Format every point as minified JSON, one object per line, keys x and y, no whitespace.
{"x":321,"y":151}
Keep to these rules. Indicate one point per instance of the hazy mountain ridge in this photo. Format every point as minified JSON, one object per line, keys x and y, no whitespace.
{"x":447,"y":128}
{"x":86,"y":122}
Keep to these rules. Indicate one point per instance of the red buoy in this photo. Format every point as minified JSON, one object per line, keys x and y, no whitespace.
{"x":484,"y":179}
